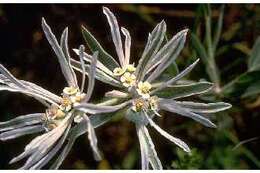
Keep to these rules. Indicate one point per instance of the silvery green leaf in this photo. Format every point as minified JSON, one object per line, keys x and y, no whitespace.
{"x":136,"y":117}
{"x":178,"y":77}
{"x":204,"y":107}
{"x":143,"y":147}
{"x":64,"y":44}
{"x":8,"y":75}
{"x":167,"y":54}
{"x":65,"y":67}
{"x":94,"y":45}
{"x":79,"y":129}
{"x":171,"y":106}
{"x":52,"y":152}
{"x":153,"y":158}
{"x":21,"y":121}
{"x":91,"y":76}
{"x":177,"y":141}
{"x":7,"y":88}
{"x":81,"y":57}
{"x":154,"y":42}
{"x":92,"y":139}
{"x":50,"y":138}
{"x":27,"y":87}
{"x":116,"y":94}
{"x":38,"y":96}
{"x":127,"y":44}
{"x":20,"y":132}
{"x":116,"y":36}
{"x":97,"y":109}
{"x":40,"y":90}
{"x":184,"y":90}
{"x":100,"y":65}
{"x":166,"y":50}
{"x":65,"y":49}
{"x":100,"y":75}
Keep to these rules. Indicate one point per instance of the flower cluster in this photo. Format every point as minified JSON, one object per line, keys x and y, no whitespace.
{"x":61,"y":123}
{"x":142,"y":92}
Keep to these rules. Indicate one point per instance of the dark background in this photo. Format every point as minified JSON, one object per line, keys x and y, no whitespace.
{"x":27,"y":54}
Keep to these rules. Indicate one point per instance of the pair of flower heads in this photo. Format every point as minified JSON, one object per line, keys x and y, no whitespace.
{"x":142,"y":92}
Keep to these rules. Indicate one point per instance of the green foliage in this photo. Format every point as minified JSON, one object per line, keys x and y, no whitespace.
{"x":185,"y":161}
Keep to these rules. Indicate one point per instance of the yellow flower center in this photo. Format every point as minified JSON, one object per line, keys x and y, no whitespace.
{"x":128,"y":79}
{"x":118,"y":71}
{"x":138,"y":104}
{"x":144,"y":89}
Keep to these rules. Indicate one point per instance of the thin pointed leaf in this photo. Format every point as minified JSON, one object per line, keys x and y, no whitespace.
{"x":96,"y":109}
{"x":93,"y":139}
{"x":153,"y":158}
{"x":44,"y":147}
{"x":100,"y":75}
{"x":100,"y":65}
{"x":52,"y":152}
{"x":20,"y":132}
{"x":167,"y":54}
{"x":65,"y":49}
{"x":91,"y":76}
{"x":177,"y":141}
{"x":116,"y":36}
{"x":184,"y":90}
{"x":143,"y":148}
{"x":66,"y":69}
{"x":21,"y":121}
{"x":81,"y":57}
{"x":8,"y":75}
{"x":172,"y":106}
{"x":94,"y":45}
{"x":154,"y":41}
{"x":204,"y":107}
{"x":178,"y":77}
{"x":127,"y":44}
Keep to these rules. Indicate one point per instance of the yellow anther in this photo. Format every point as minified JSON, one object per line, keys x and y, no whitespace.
{"x":138,"y":105}
{"x":66,"y":104}
{"x":144,"y":89}
{"x":60,"y":114}
{"x":70,"y":90}
{"x":128,"y":79}
{"x":130,"y":68}
{"x":118,"y":71}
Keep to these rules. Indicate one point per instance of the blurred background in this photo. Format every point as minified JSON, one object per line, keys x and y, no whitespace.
{"x":225,"y":37}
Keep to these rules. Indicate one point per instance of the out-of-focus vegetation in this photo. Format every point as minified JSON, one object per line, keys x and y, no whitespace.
{"x":225,"y":38}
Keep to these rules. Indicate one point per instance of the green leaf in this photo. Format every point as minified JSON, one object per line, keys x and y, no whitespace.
{"x":185,"y":90}
{"x":199,"y":48}
{"x":94,"y":45}
{"x":254,"y":59}
{"x":252,"y":90}
{"x":239,"y":85}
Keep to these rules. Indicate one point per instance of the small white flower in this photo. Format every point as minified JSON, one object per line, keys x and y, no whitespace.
{"x":119,"y":71}
{"x":144,"y":89}
{"x":128,"y":79}
{"x":130,"y":68}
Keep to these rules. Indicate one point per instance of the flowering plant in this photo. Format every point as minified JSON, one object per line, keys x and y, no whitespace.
{"x":61,"y":122}
{"x":142,"y":91}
